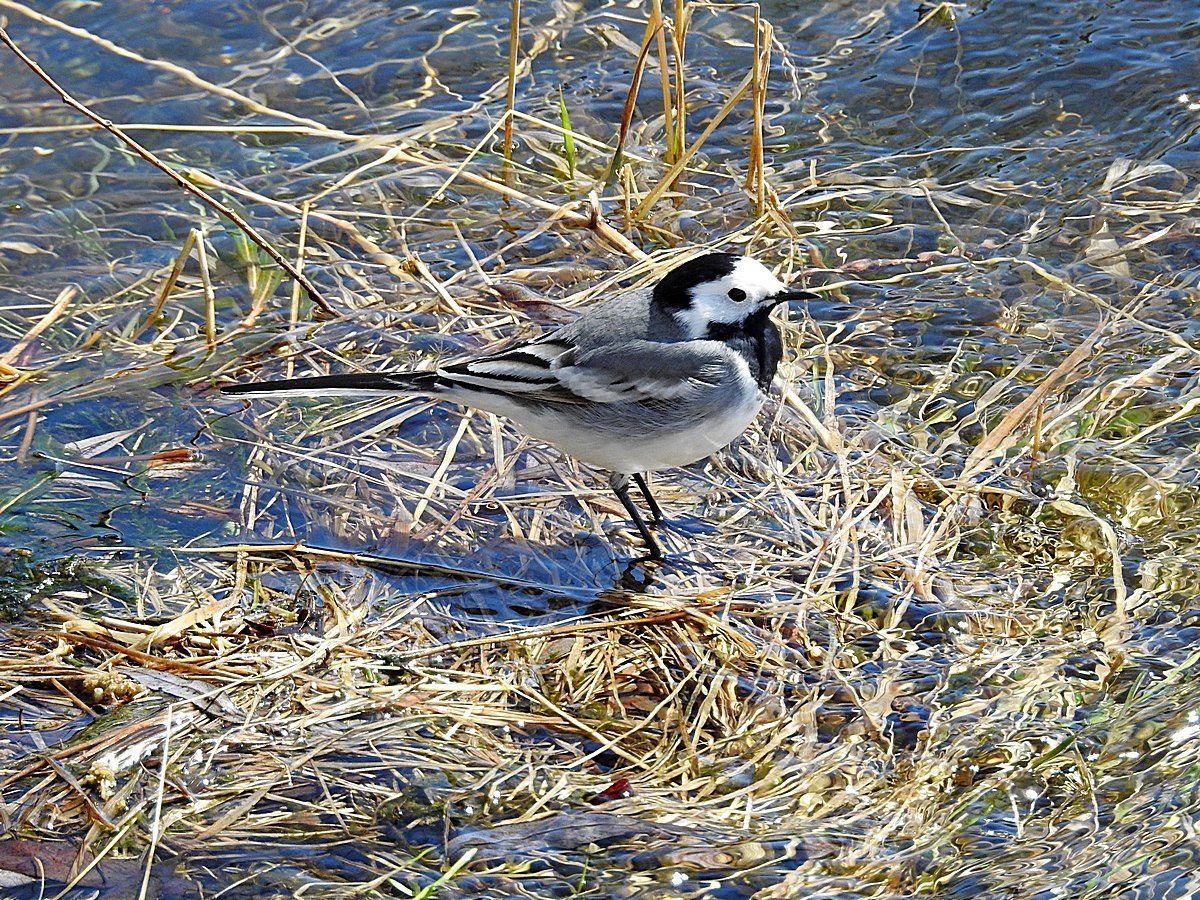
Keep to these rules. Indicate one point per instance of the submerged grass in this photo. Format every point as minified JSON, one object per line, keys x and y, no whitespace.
{"x":935,"y":644}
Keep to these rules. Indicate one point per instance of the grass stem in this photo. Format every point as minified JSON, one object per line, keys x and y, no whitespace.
{"x":210,"y":201}
{"x":514,"y":47}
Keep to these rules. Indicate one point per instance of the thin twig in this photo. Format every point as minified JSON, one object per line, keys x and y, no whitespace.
{"x":192,"y":189}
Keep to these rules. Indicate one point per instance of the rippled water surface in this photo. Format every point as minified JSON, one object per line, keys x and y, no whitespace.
{"x":929,"y":629}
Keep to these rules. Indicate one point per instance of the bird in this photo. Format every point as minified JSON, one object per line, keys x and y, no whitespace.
{"x":652,"y":378}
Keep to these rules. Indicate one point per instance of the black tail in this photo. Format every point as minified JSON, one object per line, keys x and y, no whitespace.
{"x":361,"y":384}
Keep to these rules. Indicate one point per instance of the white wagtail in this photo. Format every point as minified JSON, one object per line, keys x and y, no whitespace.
{"x":650,"y":379}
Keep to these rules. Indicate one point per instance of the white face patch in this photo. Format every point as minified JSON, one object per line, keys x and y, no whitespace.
{"x":718,"y":301}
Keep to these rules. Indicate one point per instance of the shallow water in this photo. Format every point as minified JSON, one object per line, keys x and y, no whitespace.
{"x":988,"y":183}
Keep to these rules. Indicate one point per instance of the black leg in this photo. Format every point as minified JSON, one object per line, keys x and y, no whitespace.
{"x":656,"y":513}
{"x":620,"y":485}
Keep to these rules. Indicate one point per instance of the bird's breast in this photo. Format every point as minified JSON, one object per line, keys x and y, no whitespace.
{"x":627,"y":440}
{"x":757,"y":341}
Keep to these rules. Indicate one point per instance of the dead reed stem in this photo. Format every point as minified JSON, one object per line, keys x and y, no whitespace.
{"x":206,"y":198}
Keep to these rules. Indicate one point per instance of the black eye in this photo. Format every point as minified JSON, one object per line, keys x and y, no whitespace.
{"x":737,"y":295}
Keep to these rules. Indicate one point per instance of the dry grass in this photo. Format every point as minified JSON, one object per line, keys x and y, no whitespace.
{"x":830,"y":663}
{"x":885,"y":640}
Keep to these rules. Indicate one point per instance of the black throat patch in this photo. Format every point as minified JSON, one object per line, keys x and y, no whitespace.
{"x":758,"y":341}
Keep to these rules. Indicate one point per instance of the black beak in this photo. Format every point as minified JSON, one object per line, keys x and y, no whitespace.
{"x":792,"y":296}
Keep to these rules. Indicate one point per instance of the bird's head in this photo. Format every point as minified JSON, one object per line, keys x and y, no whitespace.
{"x":719,"y":291}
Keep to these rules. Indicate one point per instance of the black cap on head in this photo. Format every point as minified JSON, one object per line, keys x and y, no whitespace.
{"x":672,"y":291}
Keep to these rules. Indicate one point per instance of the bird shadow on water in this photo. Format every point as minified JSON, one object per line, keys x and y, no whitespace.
{"x":506,"y":581}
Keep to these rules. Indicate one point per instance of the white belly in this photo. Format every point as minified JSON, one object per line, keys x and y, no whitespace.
{"x":639,"y":447}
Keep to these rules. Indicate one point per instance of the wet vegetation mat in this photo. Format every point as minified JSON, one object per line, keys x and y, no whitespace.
{"x":928,"y":629}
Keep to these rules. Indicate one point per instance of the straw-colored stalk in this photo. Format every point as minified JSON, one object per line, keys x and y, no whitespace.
{"x":514,"y":46}
{"x":301,"y":250}
{"x":8,"y":369}
{"x":164,"y":291}
{"x":674,"y":146}
{"x":756,"y":171}
{"x":678,"y":38}
{"x":653,"y":25}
